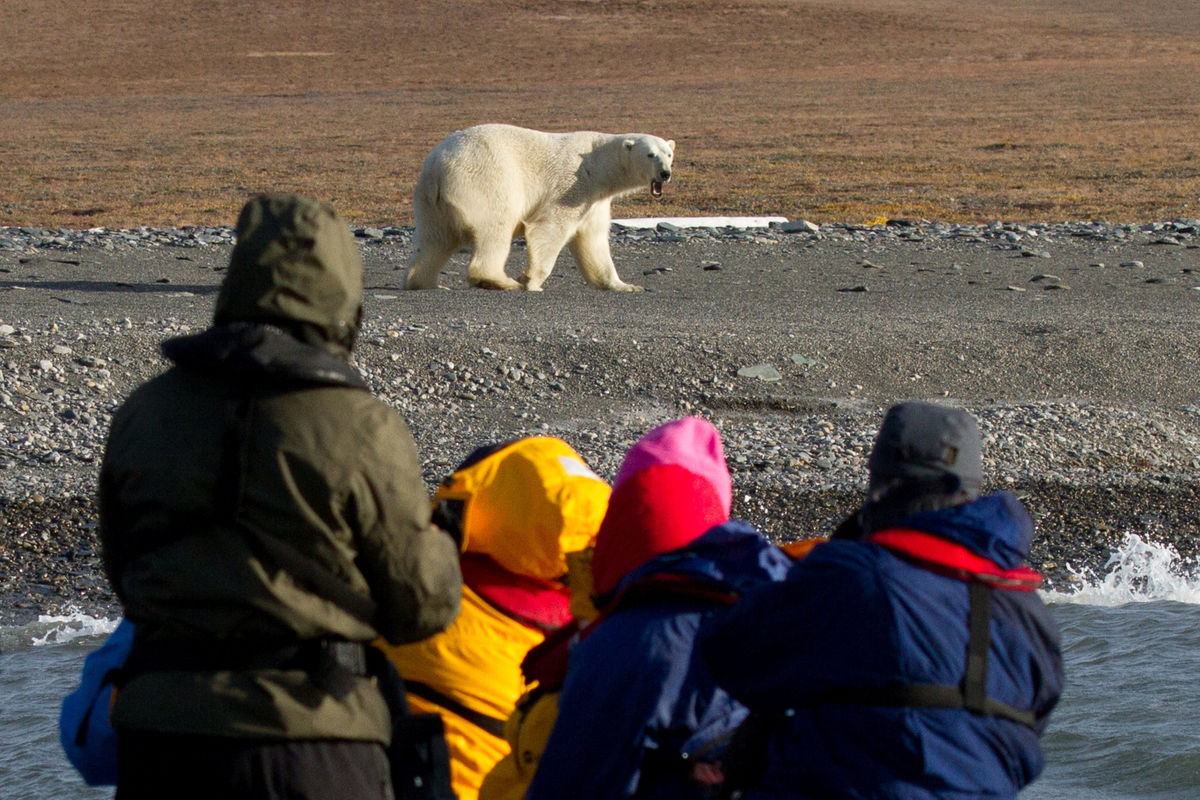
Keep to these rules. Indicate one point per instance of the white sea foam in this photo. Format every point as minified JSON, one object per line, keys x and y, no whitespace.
{"x":68,"y":627}
{"x":1140,"y":571}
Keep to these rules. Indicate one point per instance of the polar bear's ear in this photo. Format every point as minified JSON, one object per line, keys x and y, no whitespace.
{"x":630,"y":144}
{"x":671,"y":144}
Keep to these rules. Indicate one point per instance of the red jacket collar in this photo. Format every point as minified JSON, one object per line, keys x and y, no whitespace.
{"x":531,"y":601}
{"x":954,"y":560}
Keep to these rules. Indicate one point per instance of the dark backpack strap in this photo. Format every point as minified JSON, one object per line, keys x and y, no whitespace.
{"x":974,"y":688}
{"x":418,"y":754}
{"x":970,"y":695}
{"x":923,"y":695}
{"x":485,"y":722}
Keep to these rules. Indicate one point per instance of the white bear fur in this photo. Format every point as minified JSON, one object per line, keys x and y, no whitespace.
{"x":485,"y":185}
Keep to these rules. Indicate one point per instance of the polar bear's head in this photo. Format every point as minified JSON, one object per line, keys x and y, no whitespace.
{"x":652,"y":157}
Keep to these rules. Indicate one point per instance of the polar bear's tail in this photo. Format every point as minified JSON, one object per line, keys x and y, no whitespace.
{"x":436,"y":218}
{"x":428,"y":192}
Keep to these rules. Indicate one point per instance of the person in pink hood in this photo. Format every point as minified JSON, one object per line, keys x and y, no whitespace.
{"x":638,"y":711}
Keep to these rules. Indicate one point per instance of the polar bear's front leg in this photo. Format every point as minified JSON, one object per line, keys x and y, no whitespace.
{"x":590,"y":248}
{"x":544,"y":241}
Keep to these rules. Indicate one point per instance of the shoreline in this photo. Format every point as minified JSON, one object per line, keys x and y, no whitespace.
{"x":1080,"y":366}
{"x":1183,"y":231}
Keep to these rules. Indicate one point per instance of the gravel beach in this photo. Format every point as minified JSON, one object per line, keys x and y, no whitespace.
{"x":1076,"y":346}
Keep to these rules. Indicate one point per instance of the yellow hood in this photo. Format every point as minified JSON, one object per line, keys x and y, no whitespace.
{"x":526,"y":504}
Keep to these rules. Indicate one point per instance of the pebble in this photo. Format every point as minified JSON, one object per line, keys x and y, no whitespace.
{"x":800,"y":226}
{"x":764,"y":372}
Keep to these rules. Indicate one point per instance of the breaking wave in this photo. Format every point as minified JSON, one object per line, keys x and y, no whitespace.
{"x":1139,"y":571}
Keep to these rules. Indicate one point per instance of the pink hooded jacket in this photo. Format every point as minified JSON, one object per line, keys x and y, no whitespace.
{"x":672,"y":487}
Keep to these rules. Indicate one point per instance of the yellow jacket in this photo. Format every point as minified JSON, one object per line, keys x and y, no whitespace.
{"x":529,"y":727}
{"x":476,"y":664}
{"x":519,"y":509}
{"x":527,"y":732}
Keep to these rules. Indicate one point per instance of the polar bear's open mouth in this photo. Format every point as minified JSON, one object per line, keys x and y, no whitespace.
{"x":656,"y":188}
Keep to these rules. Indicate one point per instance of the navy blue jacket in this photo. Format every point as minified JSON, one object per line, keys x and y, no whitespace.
{"x":637,"y":696}
{"x":853,"y":614}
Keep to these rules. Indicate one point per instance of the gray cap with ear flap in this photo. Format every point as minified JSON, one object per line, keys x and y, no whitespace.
{"x":927,"y":443}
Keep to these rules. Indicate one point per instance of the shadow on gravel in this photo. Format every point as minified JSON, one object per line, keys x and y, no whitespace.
{"x":109,"y":286}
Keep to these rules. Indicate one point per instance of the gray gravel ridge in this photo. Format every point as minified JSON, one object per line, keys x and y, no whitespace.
{"x":1074,"y":344}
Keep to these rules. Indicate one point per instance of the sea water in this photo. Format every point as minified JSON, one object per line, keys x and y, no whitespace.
{"x":1128,"y":725}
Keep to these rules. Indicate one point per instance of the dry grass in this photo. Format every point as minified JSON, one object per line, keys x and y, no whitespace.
{"x":172,"y":113}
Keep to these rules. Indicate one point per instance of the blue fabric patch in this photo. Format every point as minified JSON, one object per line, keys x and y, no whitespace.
{"x":87,"y":738}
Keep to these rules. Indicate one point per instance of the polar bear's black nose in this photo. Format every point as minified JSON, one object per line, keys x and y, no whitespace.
{"x":666,"y":174}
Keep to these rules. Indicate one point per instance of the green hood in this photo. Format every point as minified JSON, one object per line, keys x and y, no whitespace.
{"x":295,"y":265}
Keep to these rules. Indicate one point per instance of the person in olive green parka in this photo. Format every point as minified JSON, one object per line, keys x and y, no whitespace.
{"x":260,"y":509}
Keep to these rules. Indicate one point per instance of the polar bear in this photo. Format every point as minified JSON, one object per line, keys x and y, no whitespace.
{"x":485,"y":185}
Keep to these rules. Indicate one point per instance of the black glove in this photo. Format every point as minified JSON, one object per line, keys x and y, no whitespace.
{"x":447,"y":515}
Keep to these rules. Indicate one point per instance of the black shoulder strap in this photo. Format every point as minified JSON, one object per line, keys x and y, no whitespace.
{"x":974,"y":686}
{"x":924,"y":695}
{"x":485,"y":722}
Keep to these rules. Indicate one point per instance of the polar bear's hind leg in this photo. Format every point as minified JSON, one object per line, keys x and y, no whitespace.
{"x":488,"y":259}
{"x":438,"y":236}
{"x":427,"y":263}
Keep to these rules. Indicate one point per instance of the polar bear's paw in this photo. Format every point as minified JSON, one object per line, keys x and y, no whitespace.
{"x":529,"y":284}
{"x":506,"y":283}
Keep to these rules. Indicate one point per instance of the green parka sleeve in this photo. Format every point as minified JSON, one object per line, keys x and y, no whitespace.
{"x":410,"y":564}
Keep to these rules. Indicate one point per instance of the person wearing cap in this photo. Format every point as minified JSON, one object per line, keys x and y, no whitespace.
{"x":909,"y":656}
{"x":262,"y":515}
{"x":639,"y":715}
{"x":520,"y":508}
